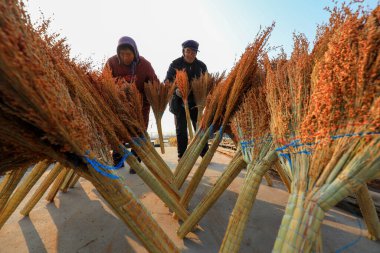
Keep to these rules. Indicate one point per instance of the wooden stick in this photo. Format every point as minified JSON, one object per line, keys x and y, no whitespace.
{"x":22,"y":191}
{"x":160,"y":135}
{"x":188,"y":165}
{"x":240,"y":214}
{"x":74,"y":181}
{"x":282,"y":174}
{"x":66,"y":182}
{"x":268,"y":179}
{"x":41,"y":189}
{"x":165,"y":194}
{"x":129,"y":209}
{"x":197,"y":177}
{"x":232,"y":171}
{"x":57,"y":184}
{"x":188,"y":119}
{"x":9,"y":184}
{"x":369,"y":213}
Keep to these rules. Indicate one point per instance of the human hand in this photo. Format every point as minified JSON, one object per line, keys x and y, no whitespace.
{"x":178,"y":93}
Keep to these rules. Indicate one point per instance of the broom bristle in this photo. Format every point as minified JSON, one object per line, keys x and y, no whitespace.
{"x":182,"y":83}
{"x":158,"y":95}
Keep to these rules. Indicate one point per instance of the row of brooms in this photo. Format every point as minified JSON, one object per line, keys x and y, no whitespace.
{"x":320,"y":134}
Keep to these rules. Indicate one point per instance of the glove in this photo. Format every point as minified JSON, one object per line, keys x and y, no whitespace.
{"x":178,"y":93}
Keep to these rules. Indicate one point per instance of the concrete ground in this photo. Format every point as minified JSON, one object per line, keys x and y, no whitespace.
{"x":80,"y":221}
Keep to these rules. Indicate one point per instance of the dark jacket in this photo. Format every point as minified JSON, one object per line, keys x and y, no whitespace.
{"x":193,"y":70}
{"x":140,"y":71}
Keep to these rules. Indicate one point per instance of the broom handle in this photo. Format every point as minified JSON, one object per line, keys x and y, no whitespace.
{"x":188,"y":119}
{"x":41,"y":189}
{"x":22,"y":191}
{"x":66,"y":182}
{"x":232,"y":171}
{"x":165,"y":194}
{"x":160,"y":135}
{"x":197,"y":177}
{"x":132,"y":212}
{"x":283,"y":176}
{"x":187,"y":165}
{"x":56,"y":185}
{"x":368,"y":209}
{"x":268,"y":179}
{"x":239,"y":217}
{"x":74,"y":181}
{"x":199,"y":116}
{"x":9,"y":184}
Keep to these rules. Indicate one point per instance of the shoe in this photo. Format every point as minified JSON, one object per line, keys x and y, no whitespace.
{"x":132,"y":171}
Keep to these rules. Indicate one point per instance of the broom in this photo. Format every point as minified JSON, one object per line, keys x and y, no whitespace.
{"x":343,"y":129}
{"x":252,"y":124}
{"x":127,"y":103}
{"x":248,"y":75}
{"x":236,"y":83}
{"x":30,"y":111}
{"x":182,"y":83}
{"x":158,"y":96}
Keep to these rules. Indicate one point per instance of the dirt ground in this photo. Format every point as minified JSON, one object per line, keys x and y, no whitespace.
{"x":80,"y":221}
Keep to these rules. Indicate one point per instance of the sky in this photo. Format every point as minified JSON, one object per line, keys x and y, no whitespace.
{"x":223,"y":29}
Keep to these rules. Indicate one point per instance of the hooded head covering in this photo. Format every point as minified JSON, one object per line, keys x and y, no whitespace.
{"x":130,"y":42}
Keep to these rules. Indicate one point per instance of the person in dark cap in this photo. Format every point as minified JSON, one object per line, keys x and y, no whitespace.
{"x":130,"y":66}
{"x":194,"y":68}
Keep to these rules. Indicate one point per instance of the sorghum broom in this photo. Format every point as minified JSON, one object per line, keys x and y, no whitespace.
{"x":197,"y":144}
{"x":158,"y":96}
{"x":248,"y":75}
{"x":182,"y":83}
{"x":344,"y":129}
{"x":252,"y":124}
{"x":211,"y":122}
{"x":128,"y":106}
{"x":34,"y":112}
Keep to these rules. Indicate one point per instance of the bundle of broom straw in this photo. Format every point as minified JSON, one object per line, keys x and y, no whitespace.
{"x":158,"y":96}
{"x":128,"y":105}
{"x":182,"y":83}
{"x":201,"y":87}
{"x":216,"y":112}
{"x":339,"y":147}
{"x":52,"y":110}
{"x":252,"y":124}
{"x":247,"y":74}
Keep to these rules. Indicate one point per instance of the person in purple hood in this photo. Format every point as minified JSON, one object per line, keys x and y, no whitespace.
{"x":130,"y":66}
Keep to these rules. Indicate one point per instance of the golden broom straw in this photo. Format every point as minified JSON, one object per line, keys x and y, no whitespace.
{"x":341,"y":159}
{"x":158,"y":96}
{"x":182,"y":83}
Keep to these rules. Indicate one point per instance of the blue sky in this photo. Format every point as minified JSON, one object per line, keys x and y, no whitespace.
{"x":222,"y":27}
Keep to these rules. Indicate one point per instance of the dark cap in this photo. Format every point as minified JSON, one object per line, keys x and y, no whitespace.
{"x":191,"y":44}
